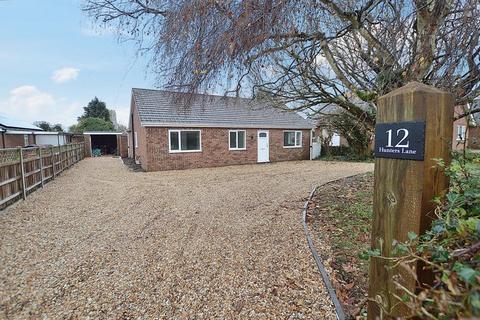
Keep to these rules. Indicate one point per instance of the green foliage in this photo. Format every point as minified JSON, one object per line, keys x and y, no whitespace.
{"x":355,"y":132}
{"x":46,"y":126}
{"x":92,"y":124}
{"x":451,"y":248}
{"x":96,"y":109}
{"x":344,"y":153}
{"x":367,"y":95}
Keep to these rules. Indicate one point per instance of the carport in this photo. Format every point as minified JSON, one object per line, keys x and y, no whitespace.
{"x":104,"y":143}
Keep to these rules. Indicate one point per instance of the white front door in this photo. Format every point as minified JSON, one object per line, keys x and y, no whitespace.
{"x":263,"y":146}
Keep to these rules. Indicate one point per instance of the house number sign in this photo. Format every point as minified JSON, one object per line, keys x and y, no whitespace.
{"x":400,"y":140}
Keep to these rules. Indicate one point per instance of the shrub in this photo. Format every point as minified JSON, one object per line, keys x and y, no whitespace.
{"x":450,"y":249}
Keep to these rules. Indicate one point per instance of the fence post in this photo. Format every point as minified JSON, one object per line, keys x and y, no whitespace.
{"x":414,"y":126}
{"x":53,"y":162}
{"x":24,"y":187}
{"x":41,"y":165}
{"x":62,"y":160}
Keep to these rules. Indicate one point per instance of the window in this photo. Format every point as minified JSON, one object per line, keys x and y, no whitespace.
{"x":185,"y":140}
{"x":292,"y":139}
{"x":136,"y":139}
{"x":335,"y":140}
{"x":25,"y":140}
{"x":236,"y":140}
{"x":461,"y":132}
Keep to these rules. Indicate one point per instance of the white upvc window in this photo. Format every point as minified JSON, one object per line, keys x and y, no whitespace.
{"x":461,"y":132}
{"x":237,"y":140}
{"x":335,"y":140}
{"x":26,"y":141}
{"x":135,"y":137}
{"x":188,"y":140}
{"x":292,"y":139}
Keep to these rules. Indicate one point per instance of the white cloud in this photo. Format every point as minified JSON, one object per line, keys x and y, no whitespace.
{"x":65,"y":74}
{"x":30,"y":97}
{"x":28,"y":103}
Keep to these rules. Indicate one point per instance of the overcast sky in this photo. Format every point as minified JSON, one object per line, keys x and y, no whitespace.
{"x":53,"y":61}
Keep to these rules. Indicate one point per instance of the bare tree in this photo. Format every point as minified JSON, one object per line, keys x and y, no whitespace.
{"x":307,"y":53}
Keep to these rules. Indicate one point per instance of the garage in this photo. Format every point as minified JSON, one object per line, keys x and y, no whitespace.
{"x":105,"y":143}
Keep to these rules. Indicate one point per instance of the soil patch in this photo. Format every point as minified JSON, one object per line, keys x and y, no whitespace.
{"x":340,"y":218}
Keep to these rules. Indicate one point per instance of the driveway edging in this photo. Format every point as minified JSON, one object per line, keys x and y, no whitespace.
{"x":321,"y":268}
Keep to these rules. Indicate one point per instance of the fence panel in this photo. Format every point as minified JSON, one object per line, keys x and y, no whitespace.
{"x":23,"y":170}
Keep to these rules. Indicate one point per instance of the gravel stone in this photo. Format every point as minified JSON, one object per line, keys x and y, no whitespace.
{"x":220,"y":243}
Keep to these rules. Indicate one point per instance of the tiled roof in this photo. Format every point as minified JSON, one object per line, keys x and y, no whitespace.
{"x":9,"y":123}
{"x":173,"y":109}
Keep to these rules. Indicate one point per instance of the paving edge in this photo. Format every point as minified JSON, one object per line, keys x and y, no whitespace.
{"x":321,"y":268}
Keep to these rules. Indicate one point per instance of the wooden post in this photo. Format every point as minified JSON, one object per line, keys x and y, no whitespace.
{"x":404,"y":188}
{"x":62,"y":160}
{"x":53,"y":162}
{"x":41,"y":165}
{"x":22,"y":170}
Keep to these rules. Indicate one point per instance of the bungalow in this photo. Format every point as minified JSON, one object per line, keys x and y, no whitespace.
{"x":16,"y":133}
{"x":171,"y":130}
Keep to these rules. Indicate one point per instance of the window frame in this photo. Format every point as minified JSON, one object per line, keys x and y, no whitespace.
{"x":26,"y":140}
{"x":295,"y":134}
{"x":179,"y":131}
{"x":135,"y":137}
{"x":462,"y":135}
{"x":236,"y":135}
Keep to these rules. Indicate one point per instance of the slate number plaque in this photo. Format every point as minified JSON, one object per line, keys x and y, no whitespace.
{"x":400,"y":140}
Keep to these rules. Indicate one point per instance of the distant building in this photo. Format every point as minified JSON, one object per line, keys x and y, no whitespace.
{"x":17,"y":133}
{"x":466,"y":130}
{"x":113,"y":118}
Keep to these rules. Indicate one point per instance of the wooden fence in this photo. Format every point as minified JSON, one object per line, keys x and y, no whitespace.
{"x":23,"y":170}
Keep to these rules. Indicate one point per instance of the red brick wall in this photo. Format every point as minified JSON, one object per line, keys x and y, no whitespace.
{"x":474,"y":137}
{"x":16,"y":140}
{"x":141,"y":150}
{"x":215,"y":151}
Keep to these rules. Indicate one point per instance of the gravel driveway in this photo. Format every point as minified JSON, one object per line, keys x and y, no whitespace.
{"x":105,"y":242}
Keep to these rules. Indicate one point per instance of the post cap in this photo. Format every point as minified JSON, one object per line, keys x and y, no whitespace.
{"x":414,"y":87}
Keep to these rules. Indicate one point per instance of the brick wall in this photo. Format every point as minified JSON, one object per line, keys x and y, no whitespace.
{"x":474,"y":137}
{"x":141,"y":150}
{"x":215,"y":151}
{"x":17,"y":140}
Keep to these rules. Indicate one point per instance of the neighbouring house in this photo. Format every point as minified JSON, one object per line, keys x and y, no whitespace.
{"x":52,"y":138}
{"x":104,"y":143}
{"x":466,"y":130}
{"x":474,"y":132}
{"x":336,"y":133}
{"x":460,"y":132}
{"x":16,"y":133}
{"x":171,"y":130}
